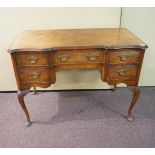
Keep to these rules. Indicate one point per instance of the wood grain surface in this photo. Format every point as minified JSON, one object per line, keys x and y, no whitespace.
{"x":76,"y":38}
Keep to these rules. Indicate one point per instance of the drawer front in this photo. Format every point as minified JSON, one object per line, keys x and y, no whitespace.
{"x":31,"y":59}
{"x":123,"y":72}
{"x":79,"y":56}
{"x":125,"y":57}
{"x":33,"y":75}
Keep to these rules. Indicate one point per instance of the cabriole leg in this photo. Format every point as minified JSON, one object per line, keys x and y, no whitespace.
{"x":21,"y":95}
{"x":113,"y":87}
{"x":34,"y":91}
{"x":135,"y":96}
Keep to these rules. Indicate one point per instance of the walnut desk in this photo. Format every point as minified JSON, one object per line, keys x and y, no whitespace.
{"x":38,"y":54}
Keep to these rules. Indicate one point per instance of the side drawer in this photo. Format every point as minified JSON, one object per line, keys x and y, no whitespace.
{"x":122,"y":72}
{"x":31,"y":58}
{"x":33,"y":75}
{"x":125,"y":57}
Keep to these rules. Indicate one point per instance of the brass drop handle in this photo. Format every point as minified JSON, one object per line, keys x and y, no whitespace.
{"x":124,"y":56}
{"x":32,"y":59}
{"x":34,"y":75}
{"x":64,"y":58}
{"x":93,"y":56}
{"x":122,"y":71}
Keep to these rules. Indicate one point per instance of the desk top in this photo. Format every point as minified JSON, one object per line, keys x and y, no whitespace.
{"x":108,"y":38}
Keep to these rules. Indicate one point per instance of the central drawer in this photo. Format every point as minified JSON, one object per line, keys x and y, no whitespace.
{"x":78,"y":57}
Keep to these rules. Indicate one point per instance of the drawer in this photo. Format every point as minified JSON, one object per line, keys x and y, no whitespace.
{"x":125,"y":57}
{"x":79,"y":56}
{"x":122,"y":72}
{"x":31,"y":58}
{"x":33,"y":75}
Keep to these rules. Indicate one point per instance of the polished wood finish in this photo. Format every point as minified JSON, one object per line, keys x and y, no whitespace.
{"x":122,"y":72}
{"x":112,"y":38}
{"x":29,"y":75}
{"x":21,"y":95}
{"x":135,"y":96}
{"x":125,"y":57}
{"x":34,"y":91}
{"x":38,"y":54}
{"x":78,"y":56}
{"x":31,"y":59}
